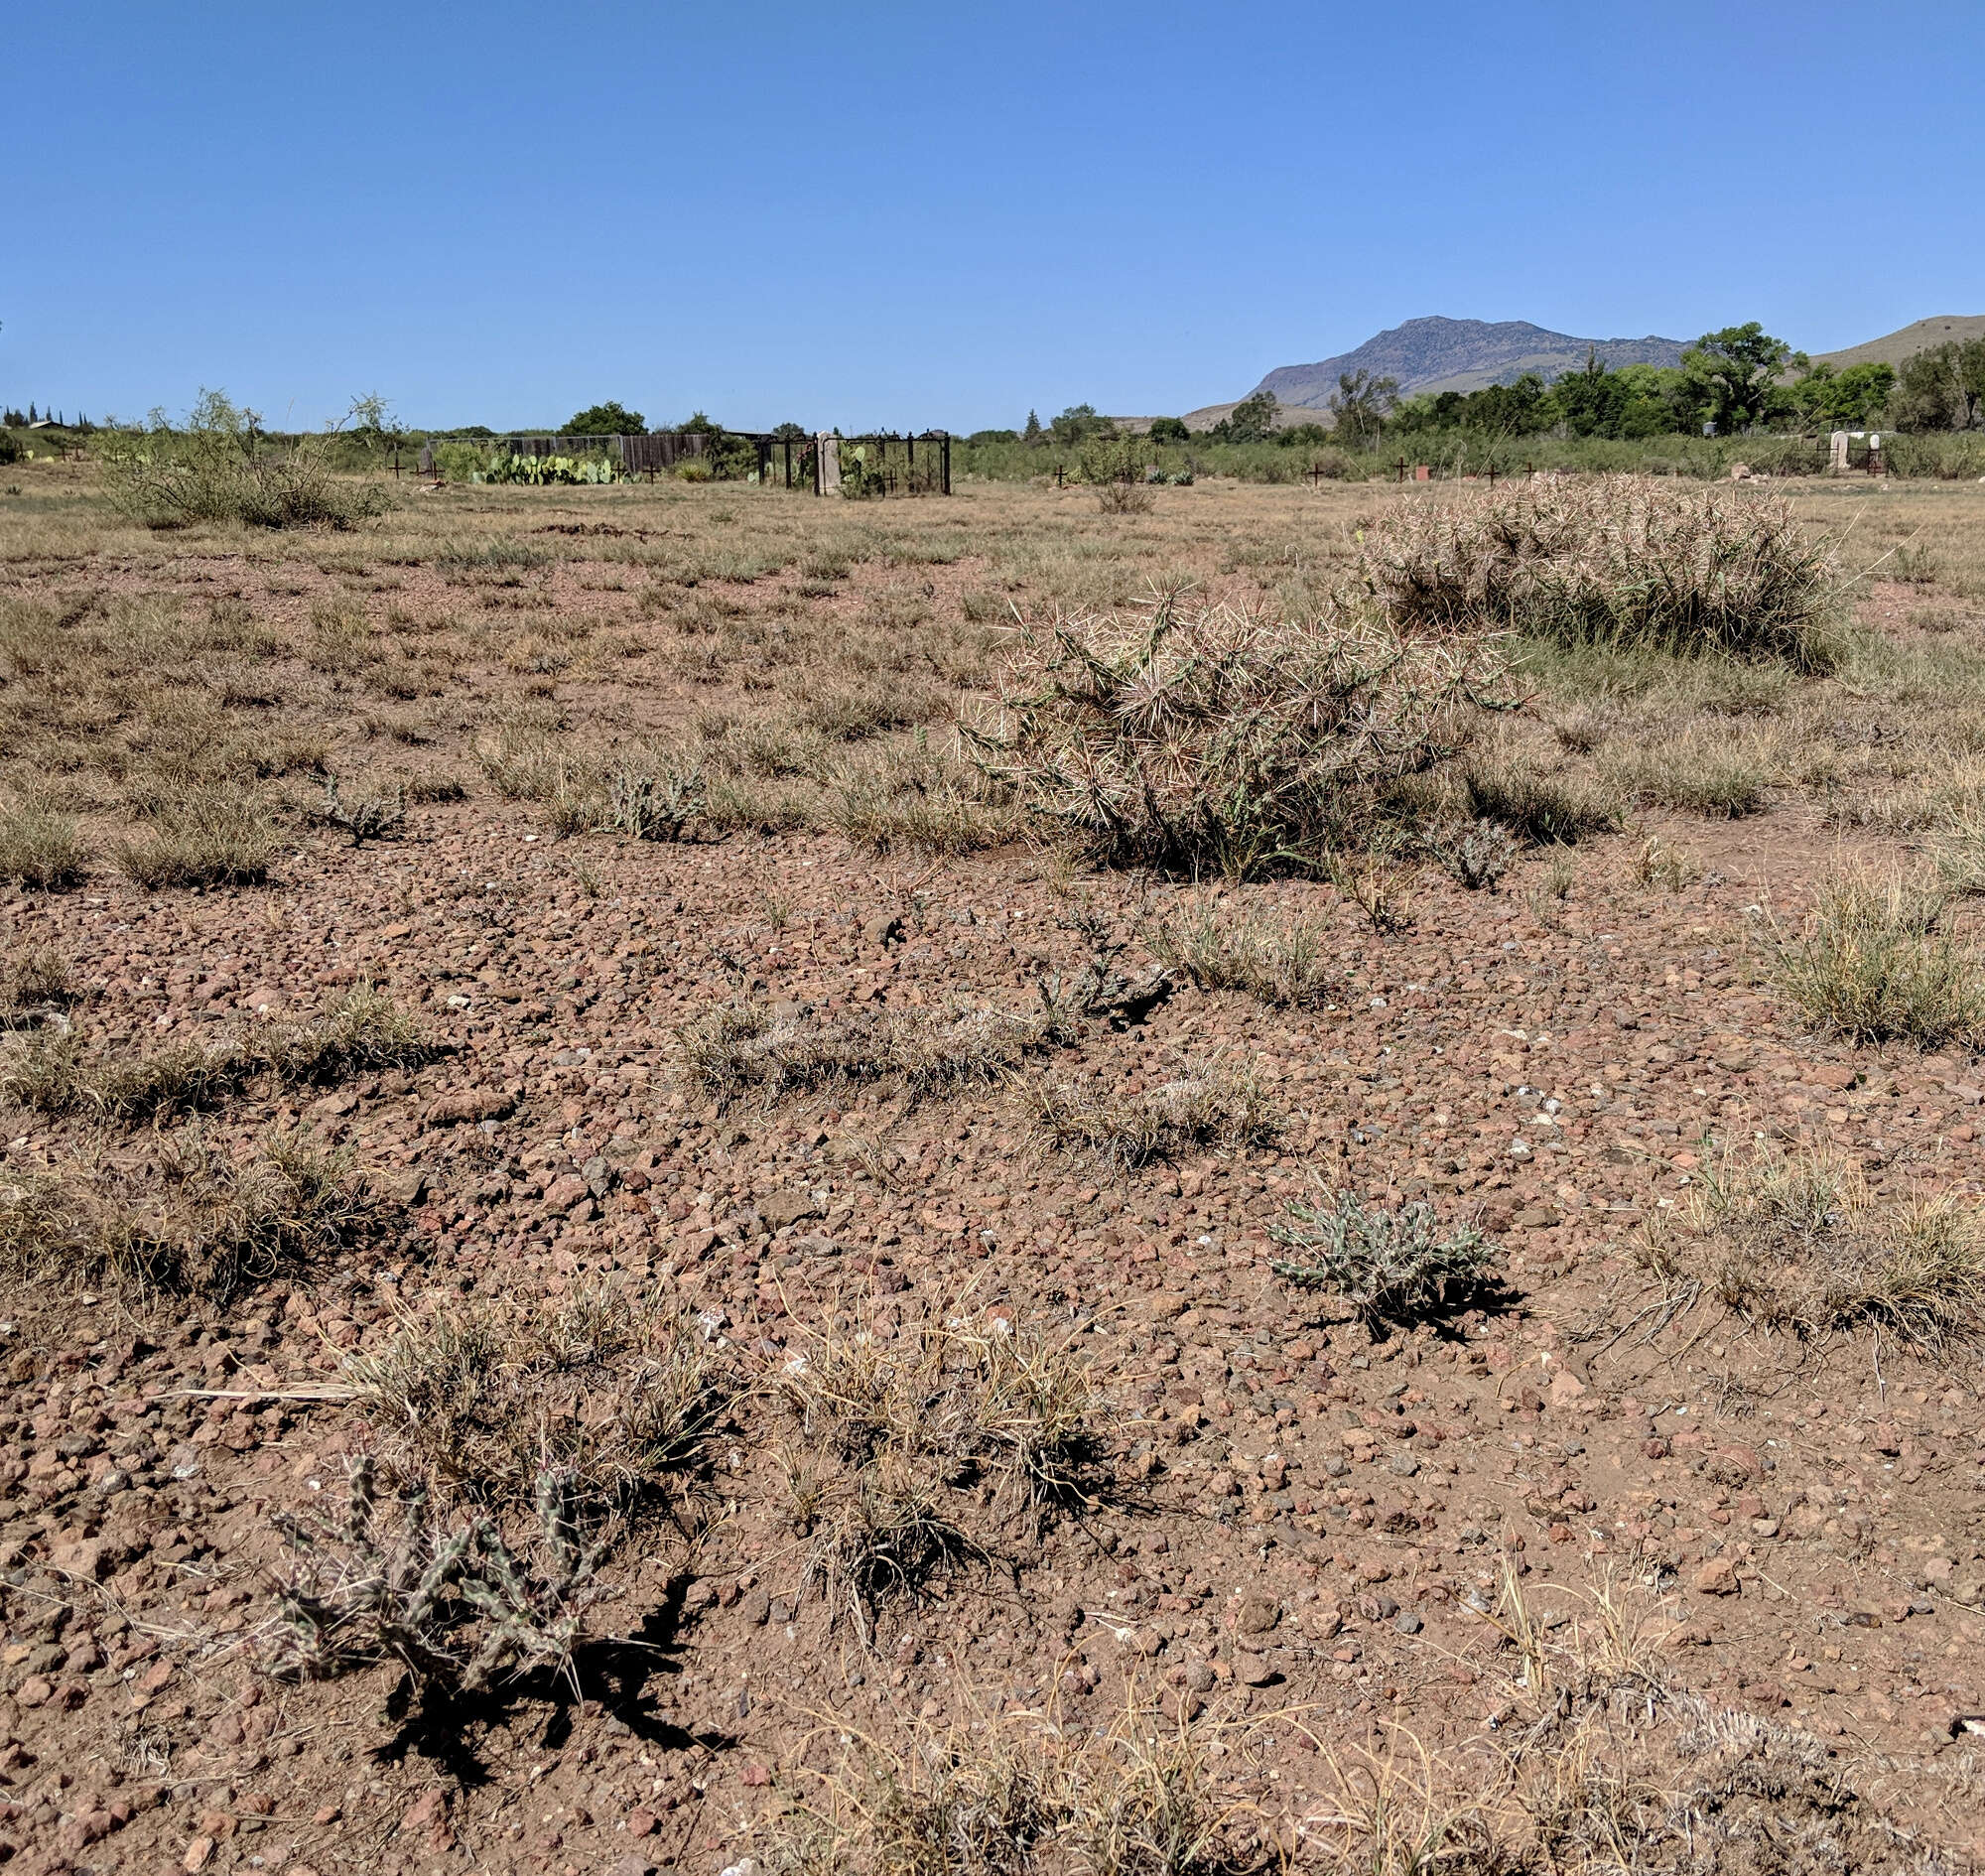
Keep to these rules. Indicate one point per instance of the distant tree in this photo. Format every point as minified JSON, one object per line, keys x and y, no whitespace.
{"x":1360,"y":404}
{"x":607,"y":420}
{"x":789,"y":433}
{"x":1734,"y":375}
{"x":1253,"y":419}
{"x":1843,"y":400}
{"x":32,"y":418}
{"x":1032,"y":432}
{"x":993,"y":436}
{"x":701,"y":425}
{"x":1169,"y":430}
{"x":1078,"y":424}
{"x":1942,"y":388}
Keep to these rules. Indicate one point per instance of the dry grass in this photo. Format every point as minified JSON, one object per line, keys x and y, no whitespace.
{"x":1205,"y":739}
{"x":1278,"y":958}
{"x":1799,"y":1242}
{"x":56,"y":1073}
{"x":1614,"y":561}
{"x":200,"y":838}
{"x":1210,"y":1105}
{"x":749,"y":1048}
{"x":901,"y":1444}
{"x":1872,"y":963}
{"x":612,"y":1392}
{"x":187,"y":1218}
{"x":40,"y":849}
{"x":1143,"y":1795}
{"x":37,"y":986}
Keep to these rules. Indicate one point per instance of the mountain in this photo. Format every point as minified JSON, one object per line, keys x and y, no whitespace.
{"x":1441,"y":355}
{"x":1896,"y":347}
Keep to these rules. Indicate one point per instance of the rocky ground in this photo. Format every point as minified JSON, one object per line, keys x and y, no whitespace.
{"x":1289,"y":1513}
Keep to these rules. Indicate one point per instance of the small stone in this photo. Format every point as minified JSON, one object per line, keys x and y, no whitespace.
{"x":1409,"y":1624}
{"x":1257,"y":1615}
{"x":1717,"y":1577}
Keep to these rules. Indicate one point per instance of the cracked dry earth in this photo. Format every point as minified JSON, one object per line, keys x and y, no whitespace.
{"x":1291,"y":1515}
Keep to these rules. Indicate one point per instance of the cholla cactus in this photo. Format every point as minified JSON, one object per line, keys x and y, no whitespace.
{"x":457,"y":1607}
{"x":1390,"y":1267}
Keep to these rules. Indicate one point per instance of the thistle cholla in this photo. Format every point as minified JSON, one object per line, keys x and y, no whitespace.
{"x":1203,"y":737}
{"x":1622,"y":560}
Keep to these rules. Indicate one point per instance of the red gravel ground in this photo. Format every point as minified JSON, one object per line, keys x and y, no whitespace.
{"x":1292,"y":1516}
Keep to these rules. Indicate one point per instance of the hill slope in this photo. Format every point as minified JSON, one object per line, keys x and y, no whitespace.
{"x":1894,"y":346}
{"x":1442,"y":355}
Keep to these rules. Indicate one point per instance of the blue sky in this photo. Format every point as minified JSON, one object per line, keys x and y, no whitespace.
{"x":943,"y":214}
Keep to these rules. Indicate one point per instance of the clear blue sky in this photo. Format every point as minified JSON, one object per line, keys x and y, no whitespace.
{"x":931,"y":213}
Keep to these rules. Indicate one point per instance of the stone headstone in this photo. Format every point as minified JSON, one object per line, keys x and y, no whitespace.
{"x":829,"y":465}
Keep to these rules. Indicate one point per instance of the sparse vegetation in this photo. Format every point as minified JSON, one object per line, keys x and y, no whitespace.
{"x":612,"y":1392}
{"x":1620,"y":560}
{"x":1800,"y":1242}
{"x":366,"y":1030}
{"x":1143,"y":1795}
{"x":893,"y":1434}
{"x":1212,"y":1103}
{"x":186,"y":1217}
{"x":40,"y":849}
{"x":1872,"y":962}
{"x":207,"y":838}
{"x":1395,"y":1267}
{"x":1284,"y":959}
{"x":748,"y":1047}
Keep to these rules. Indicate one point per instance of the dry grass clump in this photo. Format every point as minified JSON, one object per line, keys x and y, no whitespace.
{"x":898,"y":1445}
{"x":41,"y":849}
{"x":1142,"y":1794}
{"x":1203,"y":740}
{"x":747,"y":1047}
{"x":1210,"y":1105}
{"x":919,"y":800}
{"x":36,"y":986}
{"x":1872,"y":963}
{"x":1388,"y":1265}
{"x":614,"y":1391}
{"x":1620,"y":560}
{"x":1799,"y":1242}
{"x":189,"y":1219}
{"x":1280,"y":958}
{"x":1542,"y":810}
{"x":200,"y":838}
{"x":1603,"y":1768}
{"x":457,"y":1606}
{"x":364,"y":1031}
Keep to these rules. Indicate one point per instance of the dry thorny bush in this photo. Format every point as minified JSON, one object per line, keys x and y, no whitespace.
{"x":1204,"y":739}
{"x":900,"y":1446}
{"x":1800,"y":1242}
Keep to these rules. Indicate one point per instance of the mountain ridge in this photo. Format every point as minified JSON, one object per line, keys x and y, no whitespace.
{"x":1437,"y":353}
